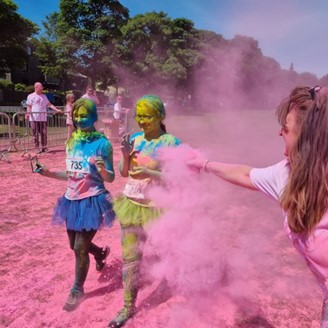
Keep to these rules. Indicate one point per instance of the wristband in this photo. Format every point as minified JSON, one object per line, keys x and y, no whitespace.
{"x":204,"y":165}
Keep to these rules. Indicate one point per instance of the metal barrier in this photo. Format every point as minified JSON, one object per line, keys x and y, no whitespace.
{"x":5,"y":136}
{"x":16,"y":133}
{"x":111,"y":127}
{"x":10,"y":109}
{"x":23,"y":134}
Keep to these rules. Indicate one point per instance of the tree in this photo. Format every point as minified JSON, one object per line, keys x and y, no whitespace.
{"x":88,"y":31}
{"x":157,"y":54}
{"x":55,"y":58}
{"x":15,"y":32}
{"x":81,"y":38}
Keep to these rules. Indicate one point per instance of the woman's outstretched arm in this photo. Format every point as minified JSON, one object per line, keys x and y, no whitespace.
{"x":236,"y":174}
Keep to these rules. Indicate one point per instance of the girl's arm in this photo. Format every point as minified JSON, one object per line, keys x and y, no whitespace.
{"x":59,"y":175}
{"x":124,"y":165}
{"x":126,"y":149}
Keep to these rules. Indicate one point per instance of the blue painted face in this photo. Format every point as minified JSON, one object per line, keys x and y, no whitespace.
{"x":83,"y":120}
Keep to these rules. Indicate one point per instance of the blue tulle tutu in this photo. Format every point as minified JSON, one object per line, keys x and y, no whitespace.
{"x":85,"y":214}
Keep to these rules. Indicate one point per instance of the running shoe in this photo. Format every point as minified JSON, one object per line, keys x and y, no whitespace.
{"x":101,"y":261}
{"x":122,"y":317}
{"x":73,"y":300}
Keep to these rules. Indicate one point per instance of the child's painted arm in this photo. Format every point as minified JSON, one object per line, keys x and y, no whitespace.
{"x":59,"y":175}
{"x":104,"y":164}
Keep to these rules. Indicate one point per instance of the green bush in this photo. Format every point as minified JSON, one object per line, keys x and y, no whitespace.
{"x":6,"y":85}
{"x":20,"y":87}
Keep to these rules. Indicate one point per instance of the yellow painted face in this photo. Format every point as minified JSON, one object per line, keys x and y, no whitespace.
{"x":147,"y":118}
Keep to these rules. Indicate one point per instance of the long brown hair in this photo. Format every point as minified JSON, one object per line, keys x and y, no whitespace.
{"x":305,"y":197}
{"x":301,"y":99}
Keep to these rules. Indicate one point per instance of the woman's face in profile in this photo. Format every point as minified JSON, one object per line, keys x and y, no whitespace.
{"x":289,"y":131}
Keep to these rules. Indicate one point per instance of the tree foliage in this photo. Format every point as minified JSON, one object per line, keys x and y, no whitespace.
{"x":15,"y":31}
{"x":157,"y":54}
{"x":89,"y":31}
{"x":55,"y":58}
{"x":81,"y":38}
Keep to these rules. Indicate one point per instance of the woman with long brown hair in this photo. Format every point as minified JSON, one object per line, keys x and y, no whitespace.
{"x":300,"y":182}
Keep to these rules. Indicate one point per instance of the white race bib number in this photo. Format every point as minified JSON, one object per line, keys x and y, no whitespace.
{"x":135,"y":188}
{"x":77,"y":165}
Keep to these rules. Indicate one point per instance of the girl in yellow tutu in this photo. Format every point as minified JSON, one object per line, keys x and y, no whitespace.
{"x":140,"y":164}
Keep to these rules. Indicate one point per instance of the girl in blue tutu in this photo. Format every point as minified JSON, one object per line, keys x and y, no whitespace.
{"x":86,"y":205}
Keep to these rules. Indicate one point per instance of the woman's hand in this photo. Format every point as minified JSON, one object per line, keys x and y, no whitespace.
{"x":198,"y":162}
{"x":126,"y":145}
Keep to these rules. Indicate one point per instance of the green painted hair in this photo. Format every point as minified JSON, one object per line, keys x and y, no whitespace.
{"x":154,"y":102}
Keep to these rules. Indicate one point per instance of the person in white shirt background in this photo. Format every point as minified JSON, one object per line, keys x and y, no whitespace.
{"x":68,"y":111}
{"x":91,"y":94}
{"x":118,"y":108}
{"x":36,"y":113}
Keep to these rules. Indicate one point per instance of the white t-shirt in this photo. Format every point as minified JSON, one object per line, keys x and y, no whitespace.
{"x":92,"y":97}
{"x":272,"y":180}
{"x":68,"y":112}
{"x":38,"y":105}
{"x":117,"y":111}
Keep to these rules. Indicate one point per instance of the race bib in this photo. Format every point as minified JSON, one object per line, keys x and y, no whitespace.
{"x":77,"y":165}
{"x":136,"y":188}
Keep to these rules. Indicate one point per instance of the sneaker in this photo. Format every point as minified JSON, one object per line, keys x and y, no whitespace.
{"x":100,"y":262}
{"x":73,"y":300}
{"x":45,"y":150}
{"x":38,"y":151}
{"x":122,"y":317}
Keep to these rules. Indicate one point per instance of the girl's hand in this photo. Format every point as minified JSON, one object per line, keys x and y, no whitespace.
{"x":141,"y":172}
{"x":126,"y":145}
{"x":36,"y":166}
{"x":98,"y":162}
{"x":42,"y":170}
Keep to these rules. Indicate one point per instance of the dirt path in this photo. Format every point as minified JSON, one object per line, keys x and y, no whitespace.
{"x":253,"y":277}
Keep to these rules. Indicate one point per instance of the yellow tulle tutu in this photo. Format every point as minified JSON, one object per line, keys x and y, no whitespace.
{"x":129,"y":212}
